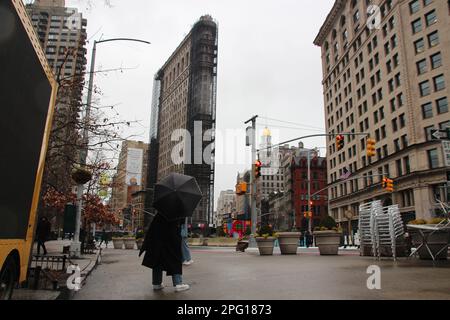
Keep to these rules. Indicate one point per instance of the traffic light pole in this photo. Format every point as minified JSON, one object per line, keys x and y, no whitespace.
{"x":254,"y":217}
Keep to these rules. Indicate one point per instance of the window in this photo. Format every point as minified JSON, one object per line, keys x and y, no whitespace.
{"x":416,"y":25}
{"x":394,"y":125}
{"x":419,"y":45}
{"x":407,"y":165}
{"x":433,"y":159}
{"x":405,"y":141}
{"x":433,"y":39}
{"x":402,"y":120}
{"x":424,"y":88}
{"x":427,"y":2}
{"x":431,"y":18}
{"x":427,"y":110}
{"x":439,"y":82}
{"x":398,"y":164}
{"x":442,"y":105}
{"x":422,"y":66}
{"x":414,"y":6}
{"x":397,"y":145}
{"x":400,"y":100}
{"x":436,"y":60}
{"x":393,"y":105}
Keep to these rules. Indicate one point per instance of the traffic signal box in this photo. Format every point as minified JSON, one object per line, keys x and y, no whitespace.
{"x":371,"y":147}
{"x":340,"y":142}
{"x":388,"y":184}
{"x":307,"y":214}
{"x":258,"y":166}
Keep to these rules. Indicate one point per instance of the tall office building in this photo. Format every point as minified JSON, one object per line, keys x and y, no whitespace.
{"x":62,"y":34}
{"x":185,"y":98}
{"x":390,"y":80}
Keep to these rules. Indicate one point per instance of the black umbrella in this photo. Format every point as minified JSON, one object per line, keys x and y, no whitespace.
{"x":177,"y":196}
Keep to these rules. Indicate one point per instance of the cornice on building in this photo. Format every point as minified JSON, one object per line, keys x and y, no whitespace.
{"x":338,"y":7}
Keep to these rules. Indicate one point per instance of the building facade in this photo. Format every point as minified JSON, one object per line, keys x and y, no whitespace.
{"x":62,"y":35}
{"x":226,"y":206}
{"x":185,"y":101}
{"x":318,"y":184}
{"x":129,"y":180}
{"x":391,"y":81}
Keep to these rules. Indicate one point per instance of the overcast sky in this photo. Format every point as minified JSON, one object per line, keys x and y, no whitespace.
{"x":267,"y":62}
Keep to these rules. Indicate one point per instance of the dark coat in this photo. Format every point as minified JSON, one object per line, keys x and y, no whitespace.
{"x":43,"y":230}
{"x":162,"y":246}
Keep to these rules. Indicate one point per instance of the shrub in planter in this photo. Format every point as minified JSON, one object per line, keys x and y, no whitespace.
{"x":81,"y":175}
{"x":129,"y":242}
{"x":117,"y":242}
{"x":328,"y":237}
{"x":288,"y":242}
{"x":265,"y":238}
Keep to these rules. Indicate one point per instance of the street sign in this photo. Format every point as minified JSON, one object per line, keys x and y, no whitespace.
{"x":440,"y":134}
{"x":446,"y":148}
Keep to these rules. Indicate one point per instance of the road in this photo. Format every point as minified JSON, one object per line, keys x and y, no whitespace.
{"x":222,"y":274}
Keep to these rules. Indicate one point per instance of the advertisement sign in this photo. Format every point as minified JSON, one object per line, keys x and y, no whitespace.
{"x":134,"y":167}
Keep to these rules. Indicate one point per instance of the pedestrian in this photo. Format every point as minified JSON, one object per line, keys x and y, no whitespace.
{"x":162,"y":247}
{"x":104,"y":238}
{"x":42,"y":233}
{"x":187,"y":259}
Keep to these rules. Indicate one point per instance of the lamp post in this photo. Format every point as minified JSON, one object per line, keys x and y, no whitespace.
{"x":75,"y":247}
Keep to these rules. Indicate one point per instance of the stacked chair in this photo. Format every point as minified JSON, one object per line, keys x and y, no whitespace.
{"x":380,"y":228}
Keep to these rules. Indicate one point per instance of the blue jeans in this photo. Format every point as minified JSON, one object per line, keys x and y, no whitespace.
{"x":158,"y":277}
{"x":186,"y":254}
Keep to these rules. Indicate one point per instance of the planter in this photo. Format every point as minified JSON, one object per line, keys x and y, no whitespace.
{"x":265,"y":245}
{"x":129,"y":243}
{"x":289,"y":242}
{"x":118,"y":243}
{"x":436,"y":242}
{"x":139,"y":243}
{"x":328,"y":242}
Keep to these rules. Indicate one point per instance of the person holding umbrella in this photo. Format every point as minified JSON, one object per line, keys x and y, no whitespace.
{"x":175,"y":198}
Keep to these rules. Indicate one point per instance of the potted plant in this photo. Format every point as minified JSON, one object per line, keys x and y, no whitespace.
{"x":139,"y":239}
{"x":129,"y":242}
{"x":288,"y":242}
{"x":117,"y":242}
{"x":328,"y":237}
{"x":436,"y":240}
{"x":81,"y":175}
{"x":265,"y":238}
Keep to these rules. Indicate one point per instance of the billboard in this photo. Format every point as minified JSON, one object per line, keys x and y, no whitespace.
{"x":135,"y":159}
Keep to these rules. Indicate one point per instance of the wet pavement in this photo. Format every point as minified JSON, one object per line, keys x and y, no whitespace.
{"x":223,"y":274}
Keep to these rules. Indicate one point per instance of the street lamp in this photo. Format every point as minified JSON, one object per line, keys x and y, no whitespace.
{"x":75,"y":247}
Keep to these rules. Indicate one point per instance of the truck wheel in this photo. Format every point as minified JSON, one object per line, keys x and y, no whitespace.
{"x":8,"y":279}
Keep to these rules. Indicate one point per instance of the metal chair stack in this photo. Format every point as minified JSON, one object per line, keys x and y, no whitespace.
{"x":387,"y":229}
{"x":366,"y":225}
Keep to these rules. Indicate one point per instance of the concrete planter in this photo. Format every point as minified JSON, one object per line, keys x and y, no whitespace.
{"x":289,"y":242}
{"x":139,"y":243}
{"x":265,"y":245}
{"x":328,"y":242}
{"x":436,"y":242}
{"x":118,"y":243}
{"x":129,"y":243}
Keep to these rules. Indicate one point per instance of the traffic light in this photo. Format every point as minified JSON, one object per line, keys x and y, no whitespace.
{"x":307,"y":214}
{"x":258,"y":166}
{"x":388,"y":184}
{"x":371,"y":147}
{"x":340,"y":142}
